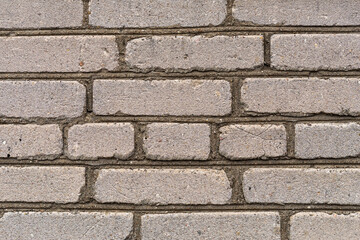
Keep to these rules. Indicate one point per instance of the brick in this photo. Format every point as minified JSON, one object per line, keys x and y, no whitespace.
{"x":58,"y":53}
{"x":301,"y":95}
{"x":215,"y":225}
{"x":40,"y":13}
{"x":163,"y":186}
{"x":30,"y":141}
{"x":298,"y":13}
{"x":174,"y":141}
{"x":324,"y":226}
{"x":302,"y":186}
{"x":41,"y":184}
{"x":162,"y":97}
{"x":327,"y":140}
{"x":65,"y":225}
{"x":157,"y":13}
{"x":195,"y":53}
{"x":315,"y":52}
{"x":45,"y":99}
{"x":100,"y":140}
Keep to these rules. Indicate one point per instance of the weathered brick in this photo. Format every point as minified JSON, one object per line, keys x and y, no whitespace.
{"x":156,"y":13}
{"x":305,"y":186}
{"x":163,"y":186}
{"x":252,"y":141}
{"x":327,"y":140}
{"x":195,"y":53}
{"x":300,"y":12}
{"x":100,"y":140}
{"x":315,"y":52}
{"x":324,"y":226}
{"x":46,"y":99}
{"x":216,"y":226}
{"x":40,"y":13}
{"x":58,"y":53}
{"x":162,"y":97}
{"x":174,"y":141}
{"x":30,"y":141}
{"x":41,"y":184}
{"x":65,"y":225}
{"x":301,"y":95}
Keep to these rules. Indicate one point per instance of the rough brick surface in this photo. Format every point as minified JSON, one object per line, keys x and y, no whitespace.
{"x":301,"y":95}
{"x":100,"y":140}
{"x":306,"y":186}
{"x":65,"y":225}
{"x":199,"y":52}
{"x":157,"y":13}
{"x":327,"y":140}
{"x":41,"y":184}
{"x":300,"y":12}
{"x":315,"y":52}
{"x":46,"y":99}
{"x":174,"y":141}
{"x":162,"y":97}
{"x":163,"y":186}
{"x":58,"y":53}
{"x":216,"y":226}
{"x":324,"y":226}
{"x":30,"y":141}
{"x":252,"y":141}
{"x":41,"y":13}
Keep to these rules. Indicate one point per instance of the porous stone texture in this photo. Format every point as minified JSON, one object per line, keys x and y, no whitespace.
{"x":240,"y":141}
{"x":195,"y":53}
{"x":302,"y":186}
{"x":156,"y":13}
{"x":174,"y":141}
{"x":58,"y":53}
{"x":324,"y":226}
{"x":41,"y":13}
{"x":162,"y":97}
{"x":100,"y":140}
{"x":41,"y":184}
{"x":327,"y":140}
{"x":45,"y":99}
{"x":315,"y":52}
{"x":301,"y":95}
{"x":215,"y":226}
{"x":162,"y":186}
{"x":65,"y":225}
{"x":30,"y":141}
{"x":298,"y":13}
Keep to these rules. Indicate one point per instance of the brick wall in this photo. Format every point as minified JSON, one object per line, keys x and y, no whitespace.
{"x":186,"y":119}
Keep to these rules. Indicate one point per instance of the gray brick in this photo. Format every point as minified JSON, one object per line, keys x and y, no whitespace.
{"x":327,"y":140}
{"x":163,"y":186}
{"x":156,"y":13}
{"x":162,"y":97}
{"x":45,"y":99}
{"x":41,"y":13}
{"x":100,"y":140}
{"x":324,"y":226}
{"x":58,"y":53}
{"x":315,"y":52}
{"x":30,"y":141}
{"x":302,"y":186}
{"x":174,"y":141}
{"x":301,"y":95}
{"x":252,"y":141}
{"x":65,"y":225}
{"x":195,"y":53}
{"x":41,"y":184}
{"x":215,"y":226}
{"x":300,"y":12}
